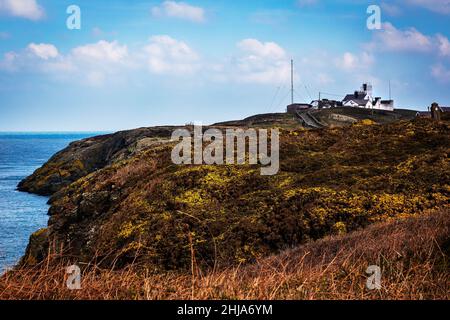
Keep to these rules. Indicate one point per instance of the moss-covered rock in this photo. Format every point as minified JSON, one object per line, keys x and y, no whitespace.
{"x":37,"y":248}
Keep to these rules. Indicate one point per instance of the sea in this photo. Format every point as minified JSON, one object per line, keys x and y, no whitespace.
{"x":21,"y":214}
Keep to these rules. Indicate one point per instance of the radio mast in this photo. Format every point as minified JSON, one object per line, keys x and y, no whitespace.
{"x":292,"y":81}
{"x":390,"y":91}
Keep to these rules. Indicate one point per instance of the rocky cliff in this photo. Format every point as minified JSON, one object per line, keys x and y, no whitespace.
{"x":83,"y":157}
{"x":119,"y":199}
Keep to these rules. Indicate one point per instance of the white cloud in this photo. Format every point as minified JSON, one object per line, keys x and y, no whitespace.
{"x":348,"y":62}
{"x":180,"y":10}
{"x":102,"y":51}
{"x":91,"y":64}
{"x":9,"y":61}
{"x":393,"y":39}
{"x":41,"y":58}
{"x":391,"y":9}
{"x":165,"y":55}
{"x":438,"y":6}
{"x":409,"y":40}
{"x":95,"y":78}
{"x":324,"y":79}
{"x":43,"y":50}
{"x":440,"y":73}
{"x":351,"y":62}
{"x":443,"y":45}
{"x":96,"y":63}
{"x":28,"y":9}
{"x":263,"y":63}
{"x":61,"y":65}
{"x":266,"y":50}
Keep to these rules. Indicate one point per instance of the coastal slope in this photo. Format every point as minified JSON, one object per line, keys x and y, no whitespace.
{"x":412,"y":253}
{"x":133,"y":205}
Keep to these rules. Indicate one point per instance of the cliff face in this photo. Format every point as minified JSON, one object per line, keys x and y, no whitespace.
{"x":83,"y":157}
{"x":126,"y":202}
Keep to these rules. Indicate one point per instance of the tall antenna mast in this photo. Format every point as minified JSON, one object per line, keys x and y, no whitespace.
{"x":390,"y":91}
{"x":292,"y":81}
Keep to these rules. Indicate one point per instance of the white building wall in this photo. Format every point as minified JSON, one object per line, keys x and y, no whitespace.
{"x":370,"y":105}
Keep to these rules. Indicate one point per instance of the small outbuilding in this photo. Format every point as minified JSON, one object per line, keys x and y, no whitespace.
{"x":296,"y":107}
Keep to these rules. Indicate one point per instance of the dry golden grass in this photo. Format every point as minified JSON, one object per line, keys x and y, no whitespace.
{"x":413,"y":254}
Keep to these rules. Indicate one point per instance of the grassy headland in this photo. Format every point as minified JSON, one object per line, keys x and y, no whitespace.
{"x":123,"y":209}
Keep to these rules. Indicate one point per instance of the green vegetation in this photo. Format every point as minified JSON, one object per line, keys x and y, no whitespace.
{"x":413,"y":254}
{"x":146,"y":210}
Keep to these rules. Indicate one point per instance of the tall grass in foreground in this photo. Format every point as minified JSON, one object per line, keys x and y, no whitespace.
{"x":413,"y":254}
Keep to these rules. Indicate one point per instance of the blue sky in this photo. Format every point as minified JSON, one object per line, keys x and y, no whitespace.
{"x":144,"y":63}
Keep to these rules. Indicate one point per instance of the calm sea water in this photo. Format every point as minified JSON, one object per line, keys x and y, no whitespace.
{"x":21,"y":214}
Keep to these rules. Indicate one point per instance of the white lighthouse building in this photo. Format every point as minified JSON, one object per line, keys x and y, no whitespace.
{"x":364,"y":99}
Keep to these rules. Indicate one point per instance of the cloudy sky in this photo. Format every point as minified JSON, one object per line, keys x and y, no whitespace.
{"x":142,"y":63}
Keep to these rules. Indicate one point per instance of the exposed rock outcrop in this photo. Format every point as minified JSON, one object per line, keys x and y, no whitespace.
{"x":83,"y":157}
